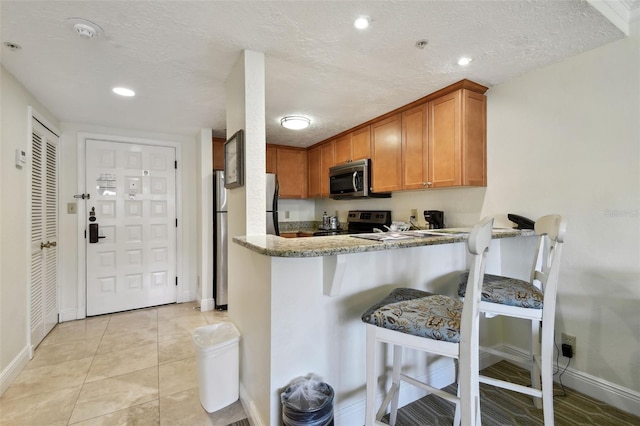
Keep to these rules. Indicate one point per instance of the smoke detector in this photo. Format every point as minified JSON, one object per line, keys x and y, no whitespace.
{"x":85,"y":29}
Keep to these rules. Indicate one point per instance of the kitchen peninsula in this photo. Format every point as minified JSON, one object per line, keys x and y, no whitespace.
{"x":299,"y":303}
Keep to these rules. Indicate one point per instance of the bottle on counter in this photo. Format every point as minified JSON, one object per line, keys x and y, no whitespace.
{"x":325,"y":221}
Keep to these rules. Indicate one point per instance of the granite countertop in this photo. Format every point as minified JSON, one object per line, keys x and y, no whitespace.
{"x":271,"y":245}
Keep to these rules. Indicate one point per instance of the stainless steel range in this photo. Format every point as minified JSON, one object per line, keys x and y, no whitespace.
{"x":361,"y":222}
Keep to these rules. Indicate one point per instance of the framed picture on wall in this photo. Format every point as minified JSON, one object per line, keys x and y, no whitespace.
{"x":234,"y":160}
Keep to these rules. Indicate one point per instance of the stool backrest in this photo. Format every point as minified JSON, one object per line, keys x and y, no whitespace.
{"x":478,"y":246}
{"x":551,"y":230}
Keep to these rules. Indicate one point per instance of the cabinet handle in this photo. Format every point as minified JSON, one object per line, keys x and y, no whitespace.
{"x":428,"y":183}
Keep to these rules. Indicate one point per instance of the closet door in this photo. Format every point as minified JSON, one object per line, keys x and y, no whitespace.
{"x":44,"y":232}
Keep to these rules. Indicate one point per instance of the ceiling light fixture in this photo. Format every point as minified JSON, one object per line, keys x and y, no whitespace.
{"x":295,"y":122}
{"x":123,"y":91}
{"x":85,"y":29}
{"x":362,"y":22}
{"x":464,"y":61}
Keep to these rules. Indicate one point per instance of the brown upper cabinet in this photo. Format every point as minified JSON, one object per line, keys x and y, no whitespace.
{"x":218,"y":153}
{"x":314,"y":158}
{"x":353,"y":146}
{"x":457,"y":140}
{"x":271,"y":156}
{"x":437,"y":141}
{"x":327,"y":160}
{"x":415,"y":148}
{"x":386,"y":154}
{"x":292,"y":172}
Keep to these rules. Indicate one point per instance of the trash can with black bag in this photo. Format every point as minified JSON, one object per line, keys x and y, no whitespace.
{"x":307,"y":401}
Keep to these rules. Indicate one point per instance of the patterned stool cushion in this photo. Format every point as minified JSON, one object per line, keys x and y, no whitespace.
{"x":506,"y":291}
{"x":418,"y":313}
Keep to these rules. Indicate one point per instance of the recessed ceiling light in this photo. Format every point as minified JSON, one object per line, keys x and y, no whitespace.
{"x":421,"y":44}
{"x":362,"y":22}
{"x":295,"y":122}
{"x":123,"y":91}
{"x":464,"y":61}
{"x":12,"y":46}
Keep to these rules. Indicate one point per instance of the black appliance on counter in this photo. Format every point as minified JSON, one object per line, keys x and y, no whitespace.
{"x":435,"y":218}
{"x":361,"y":222}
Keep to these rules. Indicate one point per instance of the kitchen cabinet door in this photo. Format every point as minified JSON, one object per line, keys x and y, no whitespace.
{"x":445,"y":140}
{"x":457,"y":139}
{"x":314,"y":167}
{"x":271,"y":159}
{"x":386,"y":156}
{"x":343,"y":149}
{"x":474,"y":139}
{"x":353,"y":146}
{"x":327,"y":156}
{"x":361,"y":143}
{"x":415,"y":148}
{"x":292,"y":172}
{"x":218,"y":153}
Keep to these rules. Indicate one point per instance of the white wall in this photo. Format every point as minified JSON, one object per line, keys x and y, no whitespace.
{"x":70,"y":305}
{"x":566,"y":139}
{"x":15,"y":207}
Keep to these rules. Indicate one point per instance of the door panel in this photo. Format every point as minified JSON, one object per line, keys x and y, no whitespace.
{"x":132,"y":200}
{"x":44,"y":232}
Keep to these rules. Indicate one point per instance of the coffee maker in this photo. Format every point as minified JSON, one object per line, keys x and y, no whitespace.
{"x":434,"y":219}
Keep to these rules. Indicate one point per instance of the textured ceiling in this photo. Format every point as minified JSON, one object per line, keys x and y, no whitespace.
{"x":177,"y":54}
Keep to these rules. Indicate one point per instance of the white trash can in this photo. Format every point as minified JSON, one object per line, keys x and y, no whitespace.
{"x":218,"y":356}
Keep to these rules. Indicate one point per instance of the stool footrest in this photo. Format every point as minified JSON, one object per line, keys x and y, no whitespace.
{"x":537,"y":393}
{"x":439,"y":392}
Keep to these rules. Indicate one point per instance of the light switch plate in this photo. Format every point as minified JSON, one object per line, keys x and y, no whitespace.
{"x":72,"y":208}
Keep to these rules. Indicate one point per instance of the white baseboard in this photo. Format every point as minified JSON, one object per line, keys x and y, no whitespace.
{"x":9,"y":374}
{"x":250,"y":408}
{"x":69,"y":315}
{"x":615,"y":395}
{"x":207,"y":305}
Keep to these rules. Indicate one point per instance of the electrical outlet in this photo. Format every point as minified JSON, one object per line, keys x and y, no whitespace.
{"x":568,"y":339}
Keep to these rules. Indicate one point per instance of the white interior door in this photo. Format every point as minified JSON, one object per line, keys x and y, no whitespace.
{"x":44,"y":232}
{"x":132,"y":206}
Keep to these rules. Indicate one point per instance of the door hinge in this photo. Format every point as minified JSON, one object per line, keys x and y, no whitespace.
{"x":176,"y":222}
{"x":176,"y":280}
{"x":85,"y":234}
{"x":175,"y":164}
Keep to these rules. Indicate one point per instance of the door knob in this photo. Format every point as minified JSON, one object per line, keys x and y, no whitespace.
{"x":45,"y":245}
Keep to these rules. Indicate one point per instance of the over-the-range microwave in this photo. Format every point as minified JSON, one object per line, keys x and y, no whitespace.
{"x":352,"y":180}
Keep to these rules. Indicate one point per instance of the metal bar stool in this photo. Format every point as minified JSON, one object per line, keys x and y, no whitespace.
{"x":434,"y":324}
{"x":533,"y":300}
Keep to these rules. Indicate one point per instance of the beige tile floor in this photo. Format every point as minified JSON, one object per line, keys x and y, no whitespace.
{"x":131,"y":368}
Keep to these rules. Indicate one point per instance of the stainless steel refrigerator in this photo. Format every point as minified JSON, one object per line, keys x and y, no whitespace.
{"x":220,"y":281}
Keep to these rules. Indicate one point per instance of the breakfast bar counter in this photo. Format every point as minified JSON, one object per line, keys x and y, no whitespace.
{"x":298,"y":301}
{"x":271,"y":245}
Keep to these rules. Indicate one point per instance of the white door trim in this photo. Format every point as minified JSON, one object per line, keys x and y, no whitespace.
{"x":32,"y":114}
{"x":82,"y":219}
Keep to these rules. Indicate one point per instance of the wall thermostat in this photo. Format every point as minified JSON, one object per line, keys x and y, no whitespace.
{"x":21,"y":157}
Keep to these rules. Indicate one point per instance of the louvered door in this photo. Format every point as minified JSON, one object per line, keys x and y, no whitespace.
{"x":44,"y":232}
